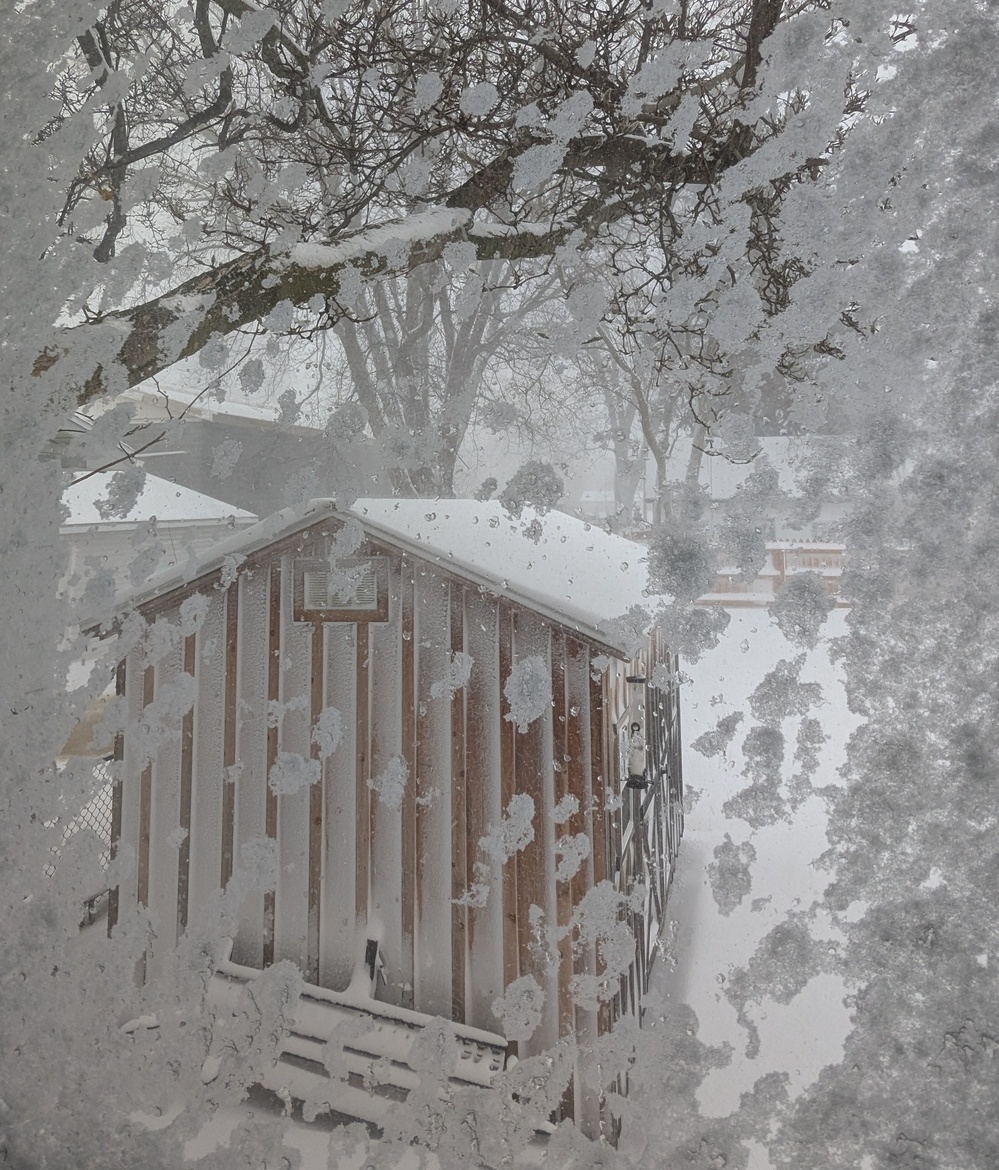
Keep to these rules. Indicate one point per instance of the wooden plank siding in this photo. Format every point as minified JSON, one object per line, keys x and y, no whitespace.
{"x":416,"y":870}
{"x":459,"y":815}
{"x":433,"y":974}
{"x":486,"y":879}
{"x":186,"y":783}
{"x":338,"y":909}
{"x":251,"y":753}
{"x":385,"y":723}
{"x":160,"y":816}
{"x":206,"y":796}
{"x":408,"y":697}
{"x":229,"y":715}
{"x":536,"y":902}
{"x":273,"y":697}
{"x":291,"y":919}
{"x":508,"y":786}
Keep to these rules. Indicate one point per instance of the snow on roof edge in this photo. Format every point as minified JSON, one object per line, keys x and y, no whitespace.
{"x":300,"y":516}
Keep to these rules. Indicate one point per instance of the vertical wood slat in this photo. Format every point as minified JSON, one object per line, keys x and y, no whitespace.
{"x":270,"y":797}
{"x":361,"y":774}
{"x":316,"y":800}
{"x":116,"y":798}
{"x":508,"y":787}
{"x":535,"y":861}
{"x":164,"y":851}
{"x":207,"y":772}
{"x":409,"y":855}
{"x":433,"y":802}
{"x":563,"y":887}
{"x":484,"y":729}
{"x":561,"y":758}
{"x":145,"y":818}
{"x":599,"y":731}
{"x":229,"y":731}
{"x":164,"y":817}
{"x":579,"y":747}
{"x":385,"y":643}
{"x":459,"y":825}
{"x":294,"y":740}
{"x":145,"y":800}
{"x":186,"y":782}
{"x":251,"y":751}
{"x":337,"y":905}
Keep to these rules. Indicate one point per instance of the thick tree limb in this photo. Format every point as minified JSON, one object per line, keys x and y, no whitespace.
{"x":247,"y":289}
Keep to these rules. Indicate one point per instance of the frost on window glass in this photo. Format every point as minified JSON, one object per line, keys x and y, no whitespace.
{"x":647,"y":354}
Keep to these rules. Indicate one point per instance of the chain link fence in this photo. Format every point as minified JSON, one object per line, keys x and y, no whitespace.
{"x":95,"y":815}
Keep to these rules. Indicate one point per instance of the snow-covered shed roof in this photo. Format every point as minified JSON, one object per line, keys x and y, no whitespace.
{"x":560,"y":566}
{"x":169,"y":503}
{"x":554,"y":563}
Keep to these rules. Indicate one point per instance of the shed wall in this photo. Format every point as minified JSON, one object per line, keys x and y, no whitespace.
{"x":359,"y":857}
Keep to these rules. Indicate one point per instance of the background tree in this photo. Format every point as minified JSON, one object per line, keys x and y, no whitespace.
{"x":268,"y":138}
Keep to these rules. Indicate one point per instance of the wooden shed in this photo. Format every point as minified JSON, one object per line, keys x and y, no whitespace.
{"x":461,"y":746}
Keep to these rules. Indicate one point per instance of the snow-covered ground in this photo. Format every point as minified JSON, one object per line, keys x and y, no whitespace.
{"x":803,"y":1036}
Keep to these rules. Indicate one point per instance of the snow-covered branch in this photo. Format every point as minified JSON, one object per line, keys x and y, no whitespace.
{"x":147,"y":338}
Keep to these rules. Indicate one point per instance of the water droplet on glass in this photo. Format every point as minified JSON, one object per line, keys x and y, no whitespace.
{"x":430,"y":516}
{"x":624,"y":566}
{"x":744,"y":645}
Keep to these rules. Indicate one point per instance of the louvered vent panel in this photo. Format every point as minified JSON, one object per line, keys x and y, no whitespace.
{"x":322,"y":592}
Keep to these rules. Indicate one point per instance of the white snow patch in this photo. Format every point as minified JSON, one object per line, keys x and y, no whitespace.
{"x":514,"y":832}
{"x":528,"y":691}
{"x":459,"y":671}
{"x":519,"y":1008}
{"x":291,"y":773}
{"x":328,"y":732}
{"x":390,"y":785}
{"x":166,"y":502}
{"x":385,"y":238}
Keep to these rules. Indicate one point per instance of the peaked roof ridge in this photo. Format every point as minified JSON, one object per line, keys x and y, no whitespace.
{"x":565,"y":568}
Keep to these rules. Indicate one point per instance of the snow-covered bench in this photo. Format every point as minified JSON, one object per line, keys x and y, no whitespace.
{"x":351,"y":1054}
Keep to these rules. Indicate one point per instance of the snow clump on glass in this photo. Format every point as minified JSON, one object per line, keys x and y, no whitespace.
{"x":800,"y":607}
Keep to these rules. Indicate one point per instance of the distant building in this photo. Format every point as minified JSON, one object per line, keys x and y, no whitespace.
{"x":165,"y":527}
{"x":266,"y":464}
{"x":467,"y":761}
